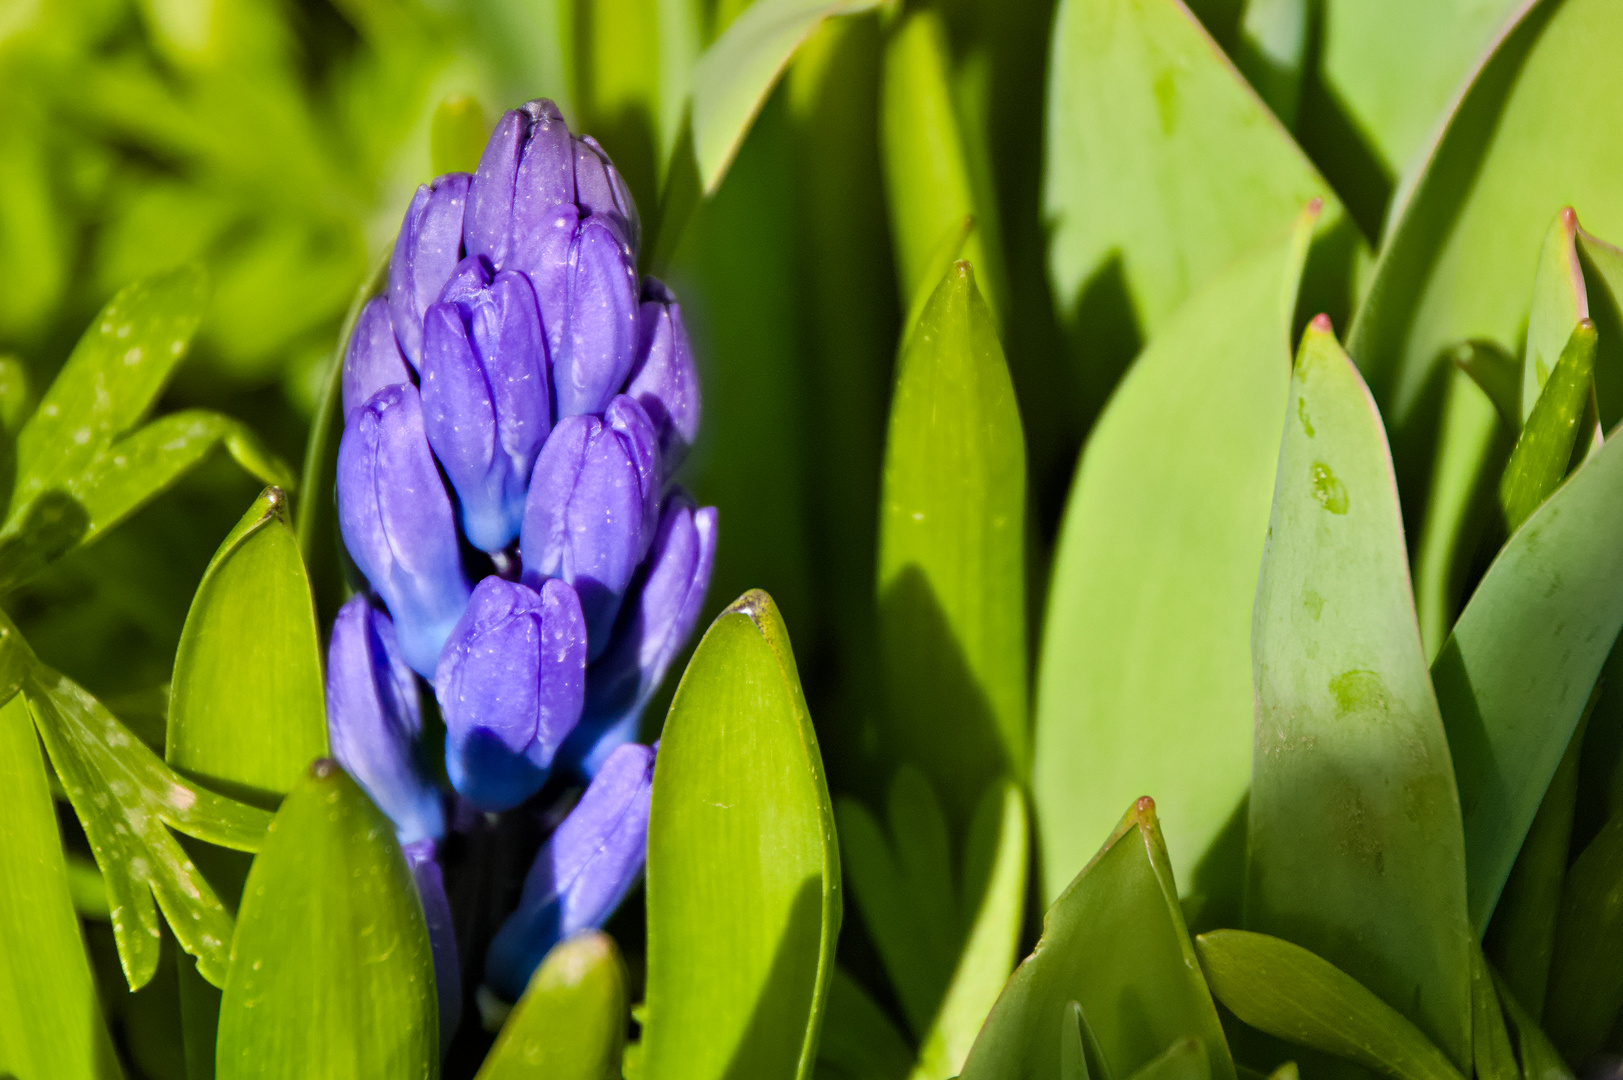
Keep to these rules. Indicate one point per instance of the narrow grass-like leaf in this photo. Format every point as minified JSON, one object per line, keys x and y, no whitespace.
{"x":1157,"y":559}
{"x":992,"y":901}
{"x":1586,"y":973}
{"x":1491,"y":1053}
{"x":1560,"y":302}
{"x":951,"y":554}
{"x":927,"y":170}
{"x":1539,"y":1058}
{"x":743,"y":868}
{"x":1073,"y":1051}
{"x":1115,"y":943}
{"x":52,"y":1024}
{"x":1513,"y":677}
{"x":1289,"y":992}
{"x":245,"y":705}
{"x":859,"y":1042}
{"x":571,"y":1022}
{"x":1540,"y":458}
{"x":1355,"y":847}
{"x":331,"y":972}
{"x":734,"y":76}
{"x":1162,"y":165}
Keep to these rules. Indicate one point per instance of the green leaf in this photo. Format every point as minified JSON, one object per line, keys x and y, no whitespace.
{"x":1560,"y":302}
{"x":1603,"y":278}
{"x":1158,"y":558}
{"x":53,"y":1024}
{"x":1514,"y":676}
{"x":1523,"y":140}
{"x":734,"y":76}
{"x":1073,"y":1051}
{"x":1539,"y":1058}
{"x":1185,"y":1059}
{"x":859,"y":1042}
{"x":571,"y":1022}
{"x":1540,"y":458}
{"x":743,"y":869}
{"x":1355,"y":848}
{"x":246,"y":708}
{"x":1586,"y":972}
{"x":331,"y":973}
{"x":952,"y":610}
{"x":1491,"y":1054}
{"x":88,"y":889}
{"x":1497,"y":374}
{"x":1115,"y":943}
{"x":1162,"y":165}
{"x":1273,"y":43}
{"x":1287,"y":991}
{"x":927,"y":171}
{"x":992,"y":900}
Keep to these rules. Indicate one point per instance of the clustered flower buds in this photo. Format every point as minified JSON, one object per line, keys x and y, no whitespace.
{"x":515,"y":406}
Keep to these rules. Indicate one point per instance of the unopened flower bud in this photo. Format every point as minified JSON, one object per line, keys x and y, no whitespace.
{"x":663,"y":379}
{"x":374,"y":722}
{"x":373,"y":359}
{"x":426,"y":251}
{"x":510,"y":685}
{"x":486,"y":408}
{"x":592,"y":509}
{"x":423,"y":859}
{"x":582,"y":872}
{"x":396,"y":521}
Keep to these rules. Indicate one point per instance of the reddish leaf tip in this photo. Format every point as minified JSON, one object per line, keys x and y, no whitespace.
{"x":1321,"y":324}
{"x":1569,"y":218}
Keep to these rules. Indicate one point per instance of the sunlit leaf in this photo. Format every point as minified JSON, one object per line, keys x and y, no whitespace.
{"x":1560,"y":302}
{"x":1354,"y":848}
{"x":743,"y":870}
{"x":1540,"y":458}
{"x":571,"y":1022}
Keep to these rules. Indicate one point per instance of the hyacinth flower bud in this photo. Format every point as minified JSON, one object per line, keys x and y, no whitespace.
{"x":425,"y":253}
{"x":374,"y":722}
{"x":423,"y":859}
{"x":600,"y":191}
{"x":396,"y":521}
{"x":655,"y":622}
{"x":527,"y":168}
{"x":582,"y":872}
{"x":373,"y":359}
{"x":592,"y":510}
{"x":663,"y":378}
{"x":486,"y":407}
{"x":510,"y":686}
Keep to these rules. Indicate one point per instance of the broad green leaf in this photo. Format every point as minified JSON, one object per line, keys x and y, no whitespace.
{"x":1293,"y":994}
{"x":1115,"y":943}
{"x":928,"y":184}
{"x":1491,"y":1053}
{"x":331,"y":972}
{"x":743,"y":868}
{"x":1073,"y":1051}
{"x":246,"y":706}
{"x":952,"y":610}
{"x":53,"y":1024}
{"x":1540,"y":457}
{"x":1586,"y":973}
{"x":1560,"y":302}
{"x":1539,"y":1058}
{"x":1185,"y":1059}
{"x":993,"y":899}
{"x":1162,"y":165}
{"x":1514,"y":675}
{"x":1461,"y":254}
{"x":458,"y":134}
{"x":859,"y":1042}
{"x":901,"y":878}
{"x":1157,"y":559}
{"x":734,"y":76}
{"x":1522,"y":934}
{"x":571,"y":1022}
{"x":1355,"y":849}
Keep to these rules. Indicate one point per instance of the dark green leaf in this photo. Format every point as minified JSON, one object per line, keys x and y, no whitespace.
{"x":951,"y":554}
{"x":1540,"y":458}
{"x":1073,"y":1052}
{"x":571,"y":1022}
{"x":1539,"y":1058}
{"x":246,"y":703}
{"x":1491,"y":1053}
{"x":859,"y":1041}
{"x":1355,"y":849}
{"x":331,"y":973}
{"x":1185,"y":1059}
{"x":52,"y":1023}
{"x":1288,"y":992}
{"x":743,"y":869}
{"x":1115,"y":943}
{"x":1586,"y":973}
{"x":1158,"y":558}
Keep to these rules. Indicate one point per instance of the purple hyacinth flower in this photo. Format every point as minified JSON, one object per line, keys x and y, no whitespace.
{"x":373,"y":359}
{"x":423,"y":859}
{"x":373,"y":720}
{"x":600,"y":191}
{"x":426,"y":251}
{"x":510,"y":686}
{"x":596,"y":342}
{"x":663,"y":379}
{"x":486,"y":408}
{"x":593,"y":508}
{"x":655,"y":622}
{"x":395,"y":518}
{"x":582,"y":872}
{"x":527,"y":168}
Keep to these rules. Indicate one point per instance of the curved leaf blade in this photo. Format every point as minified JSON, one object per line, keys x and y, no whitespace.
{"x":571,"y":1022}
{"x":1586,"y":970}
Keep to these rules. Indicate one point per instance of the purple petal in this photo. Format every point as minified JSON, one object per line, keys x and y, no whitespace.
{"x":599,"y":341}
{"x":426,"y":251}
{"x":373,"y":359}
{"x":664,"y":380}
